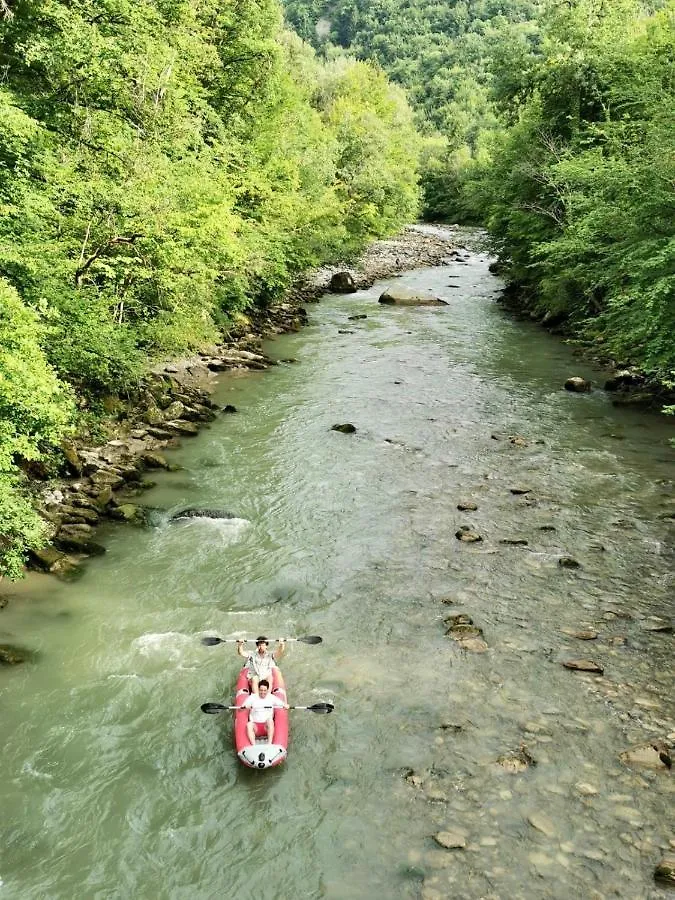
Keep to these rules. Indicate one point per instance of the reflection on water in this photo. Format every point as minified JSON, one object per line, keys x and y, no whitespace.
{"x":115,"y":785}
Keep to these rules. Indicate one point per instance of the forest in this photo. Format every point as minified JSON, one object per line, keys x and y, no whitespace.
{"x":165,"y":167}
{"x":550,"y":124}
{"x":168,"y":166}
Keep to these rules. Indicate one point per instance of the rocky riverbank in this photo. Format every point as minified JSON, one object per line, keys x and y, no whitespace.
{"x":629,"y":384}
{"x":103,"y":478}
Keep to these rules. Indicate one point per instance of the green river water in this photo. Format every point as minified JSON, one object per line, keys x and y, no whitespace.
{"x":114,"y":785}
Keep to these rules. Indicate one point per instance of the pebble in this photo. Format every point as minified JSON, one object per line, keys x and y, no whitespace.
{"x":451,"y":840}
{"x":586,"y":790}
{"x":542,"y":823}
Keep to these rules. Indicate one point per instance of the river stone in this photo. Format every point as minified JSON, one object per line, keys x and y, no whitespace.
{"x":514,"y":542}
{"x":153,"y":416}
{"x":577,"y":385}
{"x":128,"y":512}
{"x":464,"y":630}
{"x":75,"y":543}
{"x":652,"y":755}
{"x":458,"y":619}
{"x":516,"y":762}
{"x":664,"y":873}
{"x":589,"y":635}
{"x":72,"y":457}
{"x":567,"y":562}
{"x":584,"y":665}
{"x":400,"y":297}
{"x":229,"y":409}
{"x":196,"y":512}
{"x":45,"y":559}
{"x":520,"y":490}
{"x":657,"y":624}
{"x":174,"y":410}
{"x":451,"y":840}
{"x":180,"y":426}
{"x":467,"y":506}
{"x":542,"y":823}
{"x":467,"y":535}
{"x":342,"y":283}
{"x":155,"y":460}
{"x":345,"y":428}
{"x":356,"y":318}
{"x":585,"y":789}
{"x":11,"y":655}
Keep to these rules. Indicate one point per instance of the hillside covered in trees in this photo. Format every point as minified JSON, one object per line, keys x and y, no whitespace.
{"x":164,"y":168}
{"x":551,"y":123}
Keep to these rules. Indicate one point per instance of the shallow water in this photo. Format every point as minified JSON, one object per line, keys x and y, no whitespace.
{"x":116,"y":786}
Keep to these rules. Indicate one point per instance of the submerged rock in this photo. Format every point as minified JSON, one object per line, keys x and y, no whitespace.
{"x":467,"y":535}
{"x":400,"y":297}
{"x":567,"y":562}
{"x":197,"y":512}
{"x":467,"y":506}
{"x":652,"y":755}
{"x":345,"y":428}
{"x":11,"y":655}
{"x":584,"y":665}
{"x":664,"y":873}
{"x":450,"y":840}
{"x":517,"y":762}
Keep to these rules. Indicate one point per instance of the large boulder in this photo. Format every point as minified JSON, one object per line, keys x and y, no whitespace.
{"x":342,"y":283}
{"x":396,"y":296}
{"x":577,"y":385}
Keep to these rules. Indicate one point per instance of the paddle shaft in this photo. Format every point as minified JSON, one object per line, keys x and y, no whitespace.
{"x":306,"y":639}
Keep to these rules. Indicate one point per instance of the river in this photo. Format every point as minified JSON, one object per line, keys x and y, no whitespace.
{"x":115,"y":785}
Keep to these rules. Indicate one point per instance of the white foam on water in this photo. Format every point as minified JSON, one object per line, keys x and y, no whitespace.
{"x":28,"y":769}
{"x":228,"y":530}
{"x":170,"y":644}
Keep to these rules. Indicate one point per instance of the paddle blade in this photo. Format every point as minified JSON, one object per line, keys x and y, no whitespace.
{"x":324,"y":708}
{"x":211,"y":641}
{"x":311,"y":639}
{"x":212,"y":708}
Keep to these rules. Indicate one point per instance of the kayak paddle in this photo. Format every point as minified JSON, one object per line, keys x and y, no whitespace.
{"x":307,"y":639}
{"x":212,"y":708}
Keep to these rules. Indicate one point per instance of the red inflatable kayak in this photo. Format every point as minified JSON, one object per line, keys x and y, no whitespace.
{"x":261,"y":755}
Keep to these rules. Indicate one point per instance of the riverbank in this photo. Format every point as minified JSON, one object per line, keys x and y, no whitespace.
{"x":629,"y":384}
{"x":106,"y":476}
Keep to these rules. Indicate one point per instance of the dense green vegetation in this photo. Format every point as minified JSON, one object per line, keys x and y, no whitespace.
{"x":580,"y":188}
{"x":165,"y":166}
{"x":553,"y":127}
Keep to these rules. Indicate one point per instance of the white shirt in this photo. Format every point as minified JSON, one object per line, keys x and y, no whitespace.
{"x":257,"y":706}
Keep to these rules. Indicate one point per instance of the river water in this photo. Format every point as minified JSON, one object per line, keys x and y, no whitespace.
{"x":114,"y":785}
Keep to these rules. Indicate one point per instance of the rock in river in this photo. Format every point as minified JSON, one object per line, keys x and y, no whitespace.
{"x":467,"y":535}
{"x":400,"y":297}
{"x":13,"y":656}
{"x":652,"y":755}
{"x":577,"y":385}
{"x":345,"y":428}
{"x":342,"y":283}
{"x":451,"y":840}
{"x":584,"y":665}
{"x":665,"y":871}
{"x":196,"y":512}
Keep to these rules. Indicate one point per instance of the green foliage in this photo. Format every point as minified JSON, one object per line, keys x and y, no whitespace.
{"x":35,"y":411}
{"x":581,"y":190}
{"x":443,"y":54}
{"x":166,"y":166}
